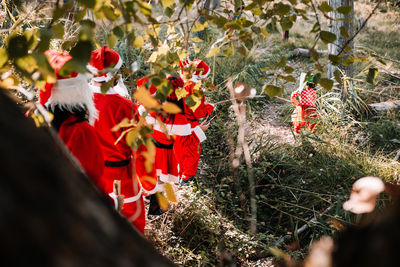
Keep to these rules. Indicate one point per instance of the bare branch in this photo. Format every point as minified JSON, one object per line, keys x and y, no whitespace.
{"x":359,"y":30}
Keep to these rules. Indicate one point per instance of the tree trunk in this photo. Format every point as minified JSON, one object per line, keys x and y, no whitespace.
{"x":52,"y":215}
{"x":339,"y":21}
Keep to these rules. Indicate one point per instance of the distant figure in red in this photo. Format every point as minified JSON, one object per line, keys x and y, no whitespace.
{"x":70,"y":100}
{"x":305,"y":112}
{"x":188,"y":148}
{"x":118,"y":158}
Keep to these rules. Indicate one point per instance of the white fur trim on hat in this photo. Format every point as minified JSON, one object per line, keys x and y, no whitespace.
{"x":110,"y":74}
{"x":72,"y":92}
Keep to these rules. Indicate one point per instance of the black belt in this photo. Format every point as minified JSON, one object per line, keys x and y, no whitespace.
{"x":120,"y":163}
{"x":161,"y":145}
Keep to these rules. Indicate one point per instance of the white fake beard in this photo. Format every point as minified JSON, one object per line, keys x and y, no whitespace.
{"x":73,"y":92}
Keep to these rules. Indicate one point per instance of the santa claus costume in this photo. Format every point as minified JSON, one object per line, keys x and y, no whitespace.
{"x":163,"y":137}
{"x":70,"y":101}
{"x":305,"y":112}
{"x":187,"y":148}
{"x":119,"y":158}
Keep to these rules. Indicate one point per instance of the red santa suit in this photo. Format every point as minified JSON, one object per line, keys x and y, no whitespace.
{"x":119,"y":157}
{"x":187,"y":148}
{"x":175,"y":124}
{"x":305,"y":111}
{"x":70,"y":100}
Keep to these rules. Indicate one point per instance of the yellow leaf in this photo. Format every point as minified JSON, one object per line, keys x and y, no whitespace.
{"x":182,"y":54}
{"x":163,"y":50}
{"x":197,"y":86}
{"x":167,"y":3}
{"x":213,"y":51}
{"x":199,"y":26}
{"x":171,"y":108}
{"x":170,"y":193}
{"x":131,"y":136}
{"x":143,"y":96}
{"x":196,"y":49}
{"x":197,"y":100}
{"x":153,"y":57}
{"x":181,"y":93}
{"x":123,"y":124}
{"x":7,"y":83}
{"x":171,"y":30}
{"x":149,"y":155}
{"x":139,"y":42}
{"x":162,"y":201}
{"x":197,"y":39}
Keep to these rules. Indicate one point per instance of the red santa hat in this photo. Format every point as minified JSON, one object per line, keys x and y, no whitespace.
{"x":202,"y":70}
{"x":144,"y":81}
{"x":101,"y":59}
{"x":68,"y":91}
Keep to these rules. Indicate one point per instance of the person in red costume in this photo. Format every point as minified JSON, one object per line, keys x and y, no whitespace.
{"x":163,"y":137}
{"x":120,"y":159}
{"x":304,"y":100}
{"x":188,"y":148}
{"x":70,"y":101}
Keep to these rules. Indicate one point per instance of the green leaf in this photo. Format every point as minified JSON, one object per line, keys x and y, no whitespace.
{"x":316,"y":27}
{"x":338,"y":77}
{"x":60,"y":12}
{"x":119,"y":32}
{"x":58,"y":31}
{"x":372,"y":73}
{"x":109,"y":13}
{"x":256,"y":30}
{"x":327,"y":37}
{"x":17,"y":46}
{"x":80,"y":14}
{"x":335,"y":60}
{"x":87,"y":3}
{"x":286,"y":23}
{"x":3,"y":57}
{"x":272,"y":90}
{"x":89,"y":23}
{"x":326,"y":83}
{"x":325,"y":7}
{"x":80,"y":57}
{"x":348,"y":61}
{"x":345,"y":10}
{"x":281,"y":63}
{"x":283,"y":9}
{"x":314,"y":54}
{"x":289,"y":78}
{"x":343,"y":32}
{"x":168,"y":12}
{"x":111,"y":40}
{"x":289,"y":69}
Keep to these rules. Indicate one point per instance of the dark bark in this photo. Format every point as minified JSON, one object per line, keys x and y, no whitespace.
{"x":52,"y":215}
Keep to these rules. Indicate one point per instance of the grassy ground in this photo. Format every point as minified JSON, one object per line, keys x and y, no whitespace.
{"x":298,"y":179}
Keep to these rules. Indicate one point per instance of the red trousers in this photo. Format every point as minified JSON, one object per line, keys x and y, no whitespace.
{"x":166,"y":165}
{"x":131,"y":209}
{"x":187,"y":152}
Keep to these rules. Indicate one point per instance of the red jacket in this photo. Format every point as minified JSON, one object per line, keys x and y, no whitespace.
{"x":81,"y":139}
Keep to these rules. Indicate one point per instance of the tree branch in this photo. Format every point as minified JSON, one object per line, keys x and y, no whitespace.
{"x":359,"y":30}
